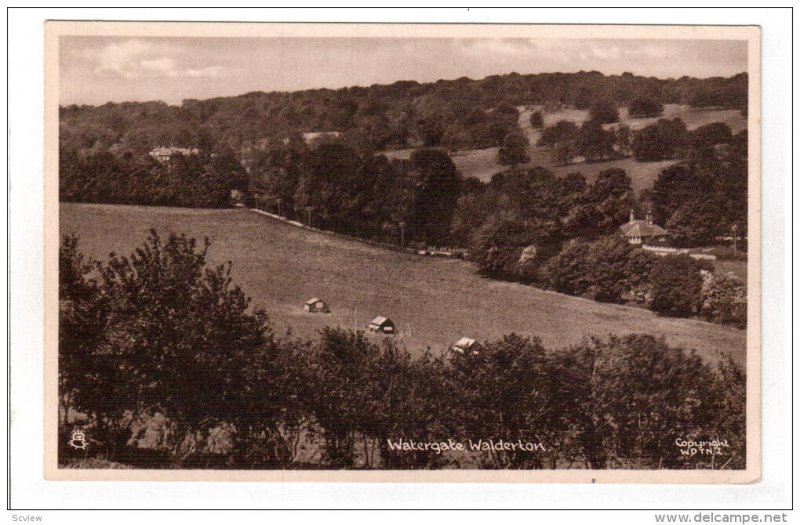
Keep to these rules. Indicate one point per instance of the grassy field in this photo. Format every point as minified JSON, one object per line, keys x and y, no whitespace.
{"x":693,"y":117}
{"x":433,"y":301}
{"x":642,"y":174}
{"x":480,"y":163}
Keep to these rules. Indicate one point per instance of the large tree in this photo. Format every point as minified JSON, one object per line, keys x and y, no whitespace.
{"x":331,"y":189}
{"x":537,"y":121}
{"x":593,"y":142}
{"x":562,"y":131}
{"x":514,"y":150}
{"x":611,"y":199}
{"x":677,"y":286}
{"x":666,"y":139}
{"x":645,"y":107}
{"x":603,"y":112}
{"x":436,"y":190}
{"x":675,"y":186}
{"x":696,"y":222}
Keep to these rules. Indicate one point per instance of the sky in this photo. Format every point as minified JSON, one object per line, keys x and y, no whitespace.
{"x":95,"y":70}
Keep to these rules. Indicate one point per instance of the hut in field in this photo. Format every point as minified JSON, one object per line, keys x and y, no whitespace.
{"x":465,"y":345}
{"x":316,"y":306}
{"x":382,"y":325}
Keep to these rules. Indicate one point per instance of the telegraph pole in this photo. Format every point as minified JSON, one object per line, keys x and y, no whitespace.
{"x":309,"y":209}
{"x":402,"y":234}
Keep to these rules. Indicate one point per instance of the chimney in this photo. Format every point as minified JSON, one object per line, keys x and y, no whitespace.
{"x":649,"y":218}
{"x":633,"y":215}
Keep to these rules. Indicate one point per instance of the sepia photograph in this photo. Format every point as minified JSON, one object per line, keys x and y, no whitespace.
{"x":377,"y":252}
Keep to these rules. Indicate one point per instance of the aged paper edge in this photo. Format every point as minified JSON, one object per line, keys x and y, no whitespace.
{"x":56,"y":29}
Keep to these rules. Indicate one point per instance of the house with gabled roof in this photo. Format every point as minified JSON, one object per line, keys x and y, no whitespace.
{"x":640,"y":232}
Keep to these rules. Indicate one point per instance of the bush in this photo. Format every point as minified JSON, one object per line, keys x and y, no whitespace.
{"x":512,"y":249}
{"x":637,"y":272}
{"x":359,"y":394}
{"x":503,"y":392}
{"x":677,"y":286}
{"x":724,"y":299}
{"x":82,"y":316}
{"x":337,"y":367}
{"x":628,"y":399}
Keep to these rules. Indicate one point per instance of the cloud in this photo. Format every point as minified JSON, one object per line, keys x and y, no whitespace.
{"x":210,"y":71}
{"x":498,"y":46}
{"x":606,"y":52}
{"x":162,"y":65}
{"x":136,"y":58}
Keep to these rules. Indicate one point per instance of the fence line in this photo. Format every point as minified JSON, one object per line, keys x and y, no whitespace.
{"x":435,"y":252}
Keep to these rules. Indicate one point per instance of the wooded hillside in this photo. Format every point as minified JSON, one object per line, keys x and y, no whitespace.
{"x":460,"y":114}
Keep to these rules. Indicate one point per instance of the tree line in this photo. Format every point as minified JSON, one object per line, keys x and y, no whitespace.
{"x":369,"y":196}
{"x":160,"y":333}
{"x":191,"y":181}
{"x":458,"y":114}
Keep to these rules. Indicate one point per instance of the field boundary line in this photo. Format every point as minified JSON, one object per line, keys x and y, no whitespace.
{"x":377,"y":244}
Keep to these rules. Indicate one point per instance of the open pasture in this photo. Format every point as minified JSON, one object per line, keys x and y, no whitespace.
{"x":433,"y":301}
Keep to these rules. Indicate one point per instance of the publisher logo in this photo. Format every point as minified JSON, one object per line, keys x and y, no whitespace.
{"x":78,"y":440}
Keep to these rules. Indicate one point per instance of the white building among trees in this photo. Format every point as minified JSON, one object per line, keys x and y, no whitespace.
{"x":637,"y":231}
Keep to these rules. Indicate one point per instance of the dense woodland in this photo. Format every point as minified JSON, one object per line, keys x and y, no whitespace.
{"x":458,"y":114}
{"x":158,"y":348}
{"x":526,"y":224}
